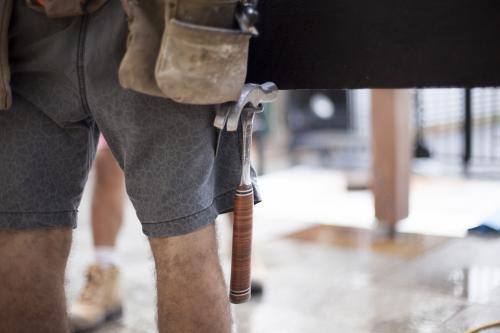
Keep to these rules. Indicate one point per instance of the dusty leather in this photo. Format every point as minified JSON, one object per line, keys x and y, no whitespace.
{"x":201,"y":65}
{"x":146,"y":21}
{"x":202,"y":60}
{"x":5,"y":92}
{"x":185,"y":50}
{"x":64,"y":8}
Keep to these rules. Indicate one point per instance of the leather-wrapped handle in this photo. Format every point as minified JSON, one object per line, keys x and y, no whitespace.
{"x":242,"y":245}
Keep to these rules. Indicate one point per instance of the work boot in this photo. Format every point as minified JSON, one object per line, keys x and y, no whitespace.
{"x":100,"y":300}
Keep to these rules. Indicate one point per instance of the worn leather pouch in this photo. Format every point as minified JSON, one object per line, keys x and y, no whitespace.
{"x":5,"y":91}
{"x":64,"y":8}
{"x":198,"y":64}
{"x":184,"y":50}
{"x":146,"y":22}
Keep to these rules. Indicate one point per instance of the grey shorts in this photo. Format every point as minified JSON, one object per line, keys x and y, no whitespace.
{"x":66,"y":91}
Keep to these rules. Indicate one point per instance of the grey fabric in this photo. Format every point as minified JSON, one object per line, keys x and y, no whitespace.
{"x":65,"y":84}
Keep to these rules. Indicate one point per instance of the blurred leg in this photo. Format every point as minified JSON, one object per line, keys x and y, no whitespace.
{"x":192,"y":295}
{"x":100,"y":299}
{"x":107,"y":200}
{"x":32,"y":265}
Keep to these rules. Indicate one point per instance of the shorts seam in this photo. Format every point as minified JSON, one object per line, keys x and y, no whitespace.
{"x":193,"y":214}
{"x":37,"y":220}
{"x":183,"y":217}
{"x":56,"y":212}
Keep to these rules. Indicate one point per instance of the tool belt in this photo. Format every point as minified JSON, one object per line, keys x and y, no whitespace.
{"x":185,"y":50}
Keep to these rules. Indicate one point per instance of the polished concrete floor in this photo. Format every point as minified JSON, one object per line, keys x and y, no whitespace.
{"x":325,"y":271}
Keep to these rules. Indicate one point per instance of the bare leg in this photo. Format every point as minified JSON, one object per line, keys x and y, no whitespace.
{"x":107,"y":200}
{"x":192,"y":295}
{"x":32,"y":265}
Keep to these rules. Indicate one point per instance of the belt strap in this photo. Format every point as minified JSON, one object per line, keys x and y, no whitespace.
{"x":65,"y":8}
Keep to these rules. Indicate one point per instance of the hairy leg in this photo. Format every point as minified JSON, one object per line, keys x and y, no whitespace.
{"x":192,"y":296}
{"x":32,"y":265}
{"x":107,"y":200}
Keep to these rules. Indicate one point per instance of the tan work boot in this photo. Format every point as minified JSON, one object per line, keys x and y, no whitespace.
{"x":100,"y":300}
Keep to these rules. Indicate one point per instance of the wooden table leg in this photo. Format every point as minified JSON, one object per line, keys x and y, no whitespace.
{"x":392,"y":153}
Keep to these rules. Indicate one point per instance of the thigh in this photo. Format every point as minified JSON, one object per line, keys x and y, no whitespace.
{"x":43,"y":167}
{"x":45,"y":63}
{"x":174,"y":177}
{"x":167,"y":152}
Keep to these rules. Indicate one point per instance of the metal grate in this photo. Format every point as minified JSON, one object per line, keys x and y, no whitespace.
{"x":459,"y":128}
{"x":324,"y":123}
{"x":451,"y":135}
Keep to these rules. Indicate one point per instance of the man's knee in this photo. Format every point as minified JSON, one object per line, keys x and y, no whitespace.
{"x":28,"y":250}
{"x":180,"y":251}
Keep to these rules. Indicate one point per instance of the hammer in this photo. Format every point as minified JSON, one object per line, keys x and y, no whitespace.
{"x":250,"y":103}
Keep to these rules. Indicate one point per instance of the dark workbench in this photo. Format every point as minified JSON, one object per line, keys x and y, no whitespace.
{"x":377,"y":44}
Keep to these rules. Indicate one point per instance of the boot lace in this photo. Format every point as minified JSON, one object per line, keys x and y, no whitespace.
{"x":93,"y":285}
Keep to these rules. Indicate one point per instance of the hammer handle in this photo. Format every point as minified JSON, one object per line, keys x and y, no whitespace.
{"x":242,"y":245}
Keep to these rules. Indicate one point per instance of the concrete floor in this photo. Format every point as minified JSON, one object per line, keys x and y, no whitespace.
{"x":324,"y":278}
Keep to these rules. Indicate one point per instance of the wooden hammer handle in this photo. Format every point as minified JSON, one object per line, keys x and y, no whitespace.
{"x":242,"y":245}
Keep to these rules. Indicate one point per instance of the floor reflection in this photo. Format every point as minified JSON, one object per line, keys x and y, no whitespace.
{"x":475,"y":283}
{"x":405,"y":245}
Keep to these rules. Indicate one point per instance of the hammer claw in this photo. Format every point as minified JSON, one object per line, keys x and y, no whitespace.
{"x":252,"y":96}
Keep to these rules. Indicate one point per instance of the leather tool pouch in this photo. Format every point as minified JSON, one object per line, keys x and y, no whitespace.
{"x":190,"y":54}
{"x":5,"y":92}
{"x":202,"y":65}
{"x":201,"y":60}
{"x":146,"y":23}
{"x":64,"y":8}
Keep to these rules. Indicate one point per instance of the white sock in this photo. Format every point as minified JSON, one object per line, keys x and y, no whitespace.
{"x":105,"y":255}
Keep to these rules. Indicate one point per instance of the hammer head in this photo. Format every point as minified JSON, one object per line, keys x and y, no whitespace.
{"x":251,"y":99}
